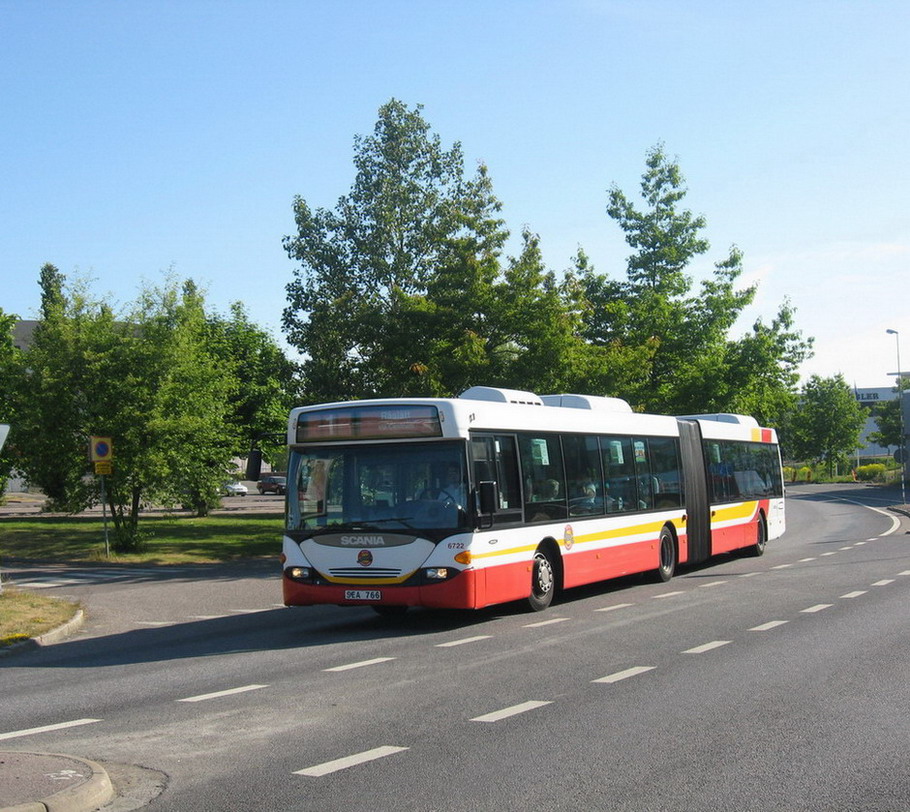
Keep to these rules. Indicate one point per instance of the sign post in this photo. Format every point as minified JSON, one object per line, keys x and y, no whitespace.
{"x":101,"y":452}
{"x":4,"y":430}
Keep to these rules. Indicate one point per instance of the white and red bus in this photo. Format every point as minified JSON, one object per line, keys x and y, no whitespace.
{"x":500,"y":495}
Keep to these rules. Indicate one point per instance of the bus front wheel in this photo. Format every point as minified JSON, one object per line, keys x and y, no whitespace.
{"x":543,"y":580}
{"x":761,"y":538}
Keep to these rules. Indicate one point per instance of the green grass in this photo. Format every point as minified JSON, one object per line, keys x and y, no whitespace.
{"x":168,"y":539}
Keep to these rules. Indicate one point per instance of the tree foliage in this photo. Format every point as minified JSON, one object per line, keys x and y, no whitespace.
{"x":403,"y":288}
{"x":179,"y":392}
{"x":267,"y":385}
{"x":888,"y":419}
{"x":694,"y":364}
{"x":827,"y":423}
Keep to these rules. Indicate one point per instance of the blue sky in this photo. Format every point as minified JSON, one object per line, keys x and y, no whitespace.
{"x":139,"y":137}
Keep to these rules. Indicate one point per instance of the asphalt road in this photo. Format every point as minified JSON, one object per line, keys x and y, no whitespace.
{"x":776,"y":683}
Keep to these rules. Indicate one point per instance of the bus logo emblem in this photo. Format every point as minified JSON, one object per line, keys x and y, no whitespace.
{"x":364,"y":558}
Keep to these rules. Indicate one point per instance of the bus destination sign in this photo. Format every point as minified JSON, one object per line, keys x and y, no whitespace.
{"x":368,"y":423}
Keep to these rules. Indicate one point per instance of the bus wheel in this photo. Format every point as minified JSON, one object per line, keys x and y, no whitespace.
{"x":390,"y":611}
{"x":543,"y":580}
{"x":667,"y":566}
{"x":761,"y":538}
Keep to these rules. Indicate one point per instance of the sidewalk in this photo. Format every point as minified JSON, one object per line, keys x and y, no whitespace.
{"x":41,"y":782}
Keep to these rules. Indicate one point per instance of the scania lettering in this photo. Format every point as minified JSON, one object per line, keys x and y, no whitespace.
{"x":500,"y":495}
{"x":362,"y":541}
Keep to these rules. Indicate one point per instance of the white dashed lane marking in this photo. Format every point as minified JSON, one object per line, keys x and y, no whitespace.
{"x":614,"y":606}
{"x":218,"y":694}
{"x":629,"y":672}
{"x":855,"y":594}
{"x":549,"y":622}
{"x":15,"y":734}
{"x":817,"y":608}
{"x":328,"y":767}
{"x":361,"y":664}
{"x":771,"y":624}
{"x":707,"y":647}
{"x":463,"y":641}
{"x":514,"y":710}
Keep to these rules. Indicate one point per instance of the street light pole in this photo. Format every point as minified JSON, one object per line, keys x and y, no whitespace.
{"x":900,"y":406}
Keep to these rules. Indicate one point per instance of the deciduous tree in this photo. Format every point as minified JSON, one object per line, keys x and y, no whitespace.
{"x":692,"y":364}
{"x":827,"y":423}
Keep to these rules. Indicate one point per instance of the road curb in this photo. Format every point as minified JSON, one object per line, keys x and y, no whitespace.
{"x":53,"y":636}
{"x":93,"y":792}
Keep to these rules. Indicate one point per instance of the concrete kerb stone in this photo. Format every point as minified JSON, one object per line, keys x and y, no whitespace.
{"x":62,"y":631}
{"x":88,"y":785}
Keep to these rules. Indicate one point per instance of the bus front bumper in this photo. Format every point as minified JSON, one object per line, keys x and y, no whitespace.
{"x":459,"y":592}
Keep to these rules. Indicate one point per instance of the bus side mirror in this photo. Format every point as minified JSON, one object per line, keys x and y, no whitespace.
{"x":489,"y":497}
{"x":254,"y":465}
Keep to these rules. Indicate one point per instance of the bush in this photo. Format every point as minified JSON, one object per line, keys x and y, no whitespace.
{"x":874,"y":472}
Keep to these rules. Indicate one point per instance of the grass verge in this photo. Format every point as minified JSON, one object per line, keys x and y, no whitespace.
{"x":24,"y":615}
{"x":167,"y":539}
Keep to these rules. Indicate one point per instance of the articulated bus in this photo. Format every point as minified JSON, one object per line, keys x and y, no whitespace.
{"x":500,"y":495}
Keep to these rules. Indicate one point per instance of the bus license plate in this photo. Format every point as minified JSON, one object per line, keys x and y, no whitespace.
{"x":363,"y":595}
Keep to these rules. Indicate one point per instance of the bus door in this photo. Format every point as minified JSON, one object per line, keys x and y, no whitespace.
{"x":698,"y":510}
{"x":494,"y":458}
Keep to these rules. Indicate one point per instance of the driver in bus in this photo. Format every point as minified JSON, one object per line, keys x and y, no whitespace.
{"x":453,"y":490}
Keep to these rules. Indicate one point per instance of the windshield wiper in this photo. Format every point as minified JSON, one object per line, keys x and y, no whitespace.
{"x":369,"y":525}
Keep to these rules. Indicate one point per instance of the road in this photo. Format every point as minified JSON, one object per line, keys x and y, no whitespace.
{"x":772,"y":683}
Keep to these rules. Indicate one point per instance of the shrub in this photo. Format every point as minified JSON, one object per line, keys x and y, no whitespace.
{"x":874,"y":472}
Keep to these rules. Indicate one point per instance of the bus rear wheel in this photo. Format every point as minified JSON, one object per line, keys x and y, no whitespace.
{"x":543,"y":580}
{"x":667,"y":565}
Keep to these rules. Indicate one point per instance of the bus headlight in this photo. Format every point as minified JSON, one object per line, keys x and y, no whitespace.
{"x":299,"y":573}
{"x":437,"y":573}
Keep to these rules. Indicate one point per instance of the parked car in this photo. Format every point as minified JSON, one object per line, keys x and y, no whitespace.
{"x":234,"y":489}
{"x":272,"y":484}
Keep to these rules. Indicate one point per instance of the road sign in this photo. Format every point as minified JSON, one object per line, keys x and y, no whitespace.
{"x":104,"y":468}
{"x":101,"y":449}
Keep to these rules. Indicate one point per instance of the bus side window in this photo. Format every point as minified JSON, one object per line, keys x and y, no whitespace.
{"x":621,"y":493}
{"x":646,"y":484}
{"x":584,"y":478}
{"x":663,"y":454}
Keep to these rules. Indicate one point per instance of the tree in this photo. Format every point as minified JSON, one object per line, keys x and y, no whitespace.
{"x":162,"y":380}
{"x":888,"y":419}
{"x":266,"y":381}
{"x":10,"y":372}
{"x":827,"y":423}
{"x":403,"y":289}
{"x":360,"y":264}
{"x":171,"y":417}
{"x":692,"y":364}
{"x":54,"y":396}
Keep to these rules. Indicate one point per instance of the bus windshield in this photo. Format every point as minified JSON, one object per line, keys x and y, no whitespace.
{"x":390,"y":486}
